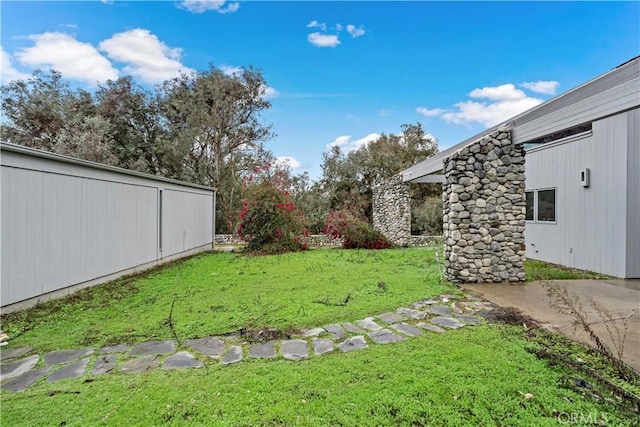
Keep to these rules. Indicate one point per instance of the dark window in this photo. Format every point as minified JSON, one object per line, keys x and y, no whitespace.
{"x":585,"y":127}
{"x":529,"y":214}
{"x":547,"y":205}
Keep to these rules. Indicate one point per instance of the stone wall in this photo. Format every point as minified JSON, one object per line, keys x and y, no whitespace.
{"x":484,"y":211}
{"x":313,"y":240}
{"x":322,"y":240}
{"x":392,"y":210}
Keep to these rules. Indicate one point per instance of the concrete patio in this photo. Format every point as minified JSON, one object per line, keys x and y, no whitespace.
{"x":619,"y":298}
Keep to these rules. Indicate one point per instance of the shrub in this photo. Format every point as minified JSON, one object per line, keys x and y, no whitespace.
{"x":354,"y":231}
{"x":269,"y":222}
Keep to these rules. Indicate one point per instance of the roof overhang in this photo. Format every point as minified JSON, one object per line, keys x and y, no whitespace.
{"x":616,"y":91}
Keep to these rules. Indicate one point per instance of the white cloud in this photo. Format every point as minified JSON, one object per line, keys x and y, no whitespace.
{"x":201,"y":6}
{"x":270,"y":92}
{"x":434,"y":112}
{"x":7,"y":70}
{"x":316,"y":24}
{"x":541,"y":86}
{"x":231,"y":70}
{"x":339,"y":27}
{"x":490,"y":106}
{"x":354,"y":31}
{"x":146,"y":56}
{"x":291,"y":162}
{"x":74,"y":59}
{"x":506,"y":92}
{"x":346,"y":144}
{"x":489,"y":114}
{"x":323,"y":40}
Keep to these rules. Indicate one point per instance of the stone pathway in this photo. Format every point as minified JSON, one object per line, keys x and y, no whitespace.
{"x":19,"y":368}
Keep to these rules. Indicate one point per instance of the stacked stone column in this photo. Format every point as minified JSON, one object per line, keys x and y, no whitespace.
{"x":392,"y":210}
{"x":484,"y":211}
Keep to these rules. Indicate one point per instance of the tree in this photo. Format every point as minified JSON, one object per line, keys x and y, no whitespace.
{"x":33,"y":110}
{"x":350,"y":177}
{"x":42,"y":112}
{"x":214,"y":120}
{"x":138,"y":139}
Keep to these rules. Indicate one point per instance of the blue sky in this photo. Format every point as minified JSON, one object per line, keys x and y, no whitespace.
{"x":337,"y":72}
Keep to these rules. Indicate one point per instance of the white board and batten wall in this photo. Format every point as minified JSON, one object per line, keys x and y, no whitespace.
{"x":68,"y":224}
{"x":597,"y":227}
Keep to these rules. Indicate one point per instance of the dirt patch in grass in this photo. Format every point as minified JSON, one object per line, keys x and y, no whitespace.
{"x":510,"y":316}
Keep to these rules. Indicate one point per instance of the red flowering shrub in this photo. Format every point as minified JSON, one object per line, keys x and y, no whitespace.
{"x":269,"y":221}
{"x":354,"y":231}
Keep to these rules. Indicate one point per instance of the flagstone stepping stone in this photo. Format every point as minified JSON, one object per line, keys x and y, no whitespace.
{"x":321,"y":346}
{"x":17,"y":368}
{"x":336,"y":331}
{"x":369,"y":324}
{"x":417,"y":305}
{"x":212,"y":346}
{"x":14,"y":353}
{"x":65,"y":356}
{"x":469,"y":320}
{"x":181,"y":360}
{"x":407,"y":329}
{"x":456,"y":309}
{"x":153,"y":347}
{"x":312,"y":332}
{"x":120,"y":348}
{"x":72,"y":370}
{"x":234,"y":355}
{"x":384,"y":336}
{"x":350,"y":327}
{"x":263,"y":351}
{"x":353,"y":343}
{"x":430,"y":302}
{"x":410,"y":312}
{"x":22,"y":382}
{"x":430,"y":327}
{"x":447,"y":322}
{"x":294,"y":349}
{"x":390,"y":318}
{"x":104,"y":364}
{"x":439,"y":310}
{"x":140,"y":364}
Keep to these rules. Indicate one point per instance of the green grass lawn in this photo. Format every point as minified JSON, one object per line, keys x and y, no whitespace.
{"x":471,"y":377}
{"x":476,"y":376}
{"x":540,"y":270}
{"x":220,"y":293}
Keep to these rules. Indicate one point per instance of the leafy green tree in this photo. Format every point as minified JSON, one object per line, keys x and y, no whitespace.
{"x":214,"y":120}
{"x":33,"y":110}
{"x":350,"y":177}
{"x":138,"y":139}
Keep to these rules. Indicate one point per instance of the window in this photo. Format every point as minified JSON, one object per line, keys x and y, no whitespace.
{"x":547,"y":205}
{"x":541,"y":205}
{"x":565,"y":133}
{"x":530,"y":208}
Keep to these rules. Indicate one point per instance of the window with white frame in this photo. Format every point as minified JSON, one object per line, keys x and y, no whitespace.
{"x":541,"y":205}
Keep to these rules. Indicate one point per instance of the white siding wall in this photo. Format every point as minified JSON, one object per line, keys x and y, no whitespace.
{"x":590,"y":231}
{"x":633,"y":196}
{"x":186,"y":219}
{"x":64,"y":224}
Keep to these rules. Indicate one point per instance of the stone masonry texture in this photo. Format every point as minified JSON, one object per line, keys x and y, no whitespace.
{"x":484,"y":211}
{"x":392,"y":210}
